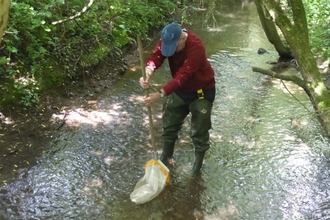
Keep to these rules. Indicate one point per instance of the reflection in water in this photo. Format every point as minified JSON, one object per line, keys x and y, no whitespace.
{"x":268,"y":158}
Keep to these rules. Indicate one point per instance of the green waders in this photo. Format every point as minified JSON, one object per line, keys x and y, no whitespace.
{"x":175,"y":110}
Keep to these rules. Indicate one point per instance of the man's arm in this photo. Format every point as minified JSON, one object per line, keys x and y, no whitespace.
{"x":156,"y":59}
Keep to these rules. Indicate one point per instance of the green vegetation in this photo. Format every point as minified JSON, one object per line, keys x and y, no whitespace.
{"x":50,"y":42}
{"x":318,"y":18}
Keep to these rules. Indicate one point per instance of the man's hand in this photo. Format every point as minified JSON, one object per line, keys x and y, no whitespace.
{"x":152,"y":98}
{"x":145,"y":82}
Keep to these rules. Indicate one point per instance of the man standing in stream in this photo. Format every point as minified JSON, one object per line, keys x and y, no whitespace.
{"x":191,"y":90}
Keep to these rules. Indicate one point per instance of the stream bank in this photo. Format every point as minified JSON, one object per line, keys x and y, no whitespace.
{"x":25,"y":133}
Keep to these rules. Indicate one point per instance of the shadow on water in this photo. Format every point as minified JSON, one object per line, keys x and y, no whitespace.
{"x":268,"y":158}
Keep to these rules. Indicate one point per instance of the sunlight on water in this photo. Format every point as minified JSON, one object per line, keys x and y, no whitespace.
{"x":268,"y":158}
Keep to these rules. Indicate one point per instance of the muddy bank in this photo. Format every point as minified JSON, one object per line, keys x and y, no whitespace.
{"x":25,"y":134}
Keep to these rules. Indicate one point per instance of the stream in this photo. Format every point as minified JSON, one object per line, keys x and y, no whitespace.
{"x":268,"y":157}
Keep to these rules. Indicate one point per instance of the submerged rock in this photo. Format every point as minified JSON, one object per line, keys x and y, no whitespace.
{"x":262,"y":51}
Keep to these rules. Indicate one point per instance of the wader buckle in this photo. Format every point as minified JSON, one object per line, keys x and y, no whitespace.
{"x":200,"y":94}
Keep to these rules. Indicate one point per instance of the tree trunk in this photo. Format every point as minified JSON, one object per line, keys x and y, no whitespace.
{"x":296,"y":34}
{"x":4,"y":14}
{"x":271,"y":31}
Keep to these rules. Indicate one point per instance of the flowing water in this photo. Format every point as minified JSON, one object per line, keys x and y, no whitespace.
{"x":268,"y":158}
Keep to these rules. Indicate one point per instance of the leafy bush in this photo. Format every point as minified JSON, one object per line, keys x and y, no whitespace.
{"x":318,"y":17}
{"x":50,"y":41}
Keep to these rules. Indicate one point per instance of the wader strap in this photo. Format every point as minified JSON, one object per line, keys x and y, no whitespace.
{"x":200,"y":94}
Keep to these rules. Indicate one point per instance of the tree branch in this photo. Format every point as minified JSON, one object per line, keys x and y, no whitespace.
{"x":287,"y":77}
{"x":278,"y":15}
{"x":75,"y":16}
{"x":269,"y":27}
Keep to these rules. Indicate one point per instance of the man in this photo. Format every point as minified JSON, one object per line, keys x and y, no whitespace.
{"x":191,"y":90}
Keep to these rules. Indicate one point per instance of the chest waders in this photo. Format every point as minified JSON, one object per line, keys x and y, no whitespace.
{"x":175,"y":110}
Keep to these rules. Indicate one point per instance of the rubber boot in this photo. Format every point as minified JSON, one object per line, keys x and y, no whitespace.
{"x":199,"y":157}
{"x":168,"y":150}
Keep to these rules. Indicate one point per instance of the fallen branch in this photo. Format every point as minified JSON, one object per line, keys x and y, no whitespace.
{"x":62,"y":122}
{"x":75,"y":16}
{"x":287,"y":77}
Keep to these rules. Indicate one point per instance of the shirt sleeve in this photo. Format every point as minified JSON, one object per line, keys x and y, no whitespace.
{"x":156,"y":59}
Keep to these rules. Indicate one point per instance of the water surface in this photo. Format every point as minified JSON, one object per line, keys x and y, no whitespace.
{"x":268,"y":159}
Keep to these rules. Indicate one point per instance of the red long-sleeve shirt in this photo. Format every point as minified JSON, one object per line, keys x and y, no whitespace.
{"x":190,"y":68}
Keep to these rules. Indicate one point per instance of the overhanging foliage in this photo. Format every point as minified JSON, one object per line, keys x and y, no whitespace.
{"x":49,"y":41}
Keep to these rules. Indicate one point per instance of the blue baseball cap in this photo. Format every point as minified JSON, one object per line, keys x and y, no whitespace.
{"x":170,"y":35}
